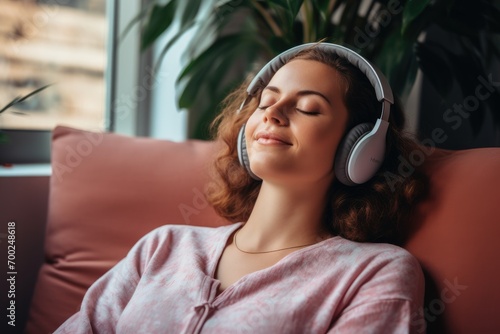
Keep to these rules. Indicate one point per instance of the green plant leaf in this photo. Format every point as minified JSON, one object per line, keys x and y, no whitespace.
{"x":288,"y":9}
{"x":322,"y":15}
{"x":160,"y":20}
{"x":190,"y":11}
{"x":137,"y":19}
{"x":412,"y":9}
{"x":348,"y":21}
{"x":20,"y":99}
{"x":195,"y":72}
{"x":222,"y":79}
{"x":216,"y":69}
{"x":169,"y":44}
{"x":207,"y":30}
{"x":36,"y":91}
{"x":397,"y":61}
{"x":216,"y":50}
{"x":435,"y":67}
{"x":294,"y":7}
{"x":321,"y":5}
{"x":10,"y":104}
{"x":192,"y":88}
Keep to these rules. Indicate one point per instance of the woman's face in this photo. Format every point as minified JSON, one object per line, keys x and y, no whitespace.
{"x":293,"y":134}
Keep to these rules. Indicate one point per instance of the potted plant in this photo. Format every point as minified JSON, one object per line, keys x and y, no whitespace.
{"x":234,"y":38}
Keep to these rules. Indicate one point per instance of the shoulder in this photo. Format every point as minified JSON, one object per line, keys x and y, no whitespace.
{"x":389,"y":270}
{"x":182,"y":233}
{"x":376,"y":254}
{"x":177,"y":241}
{"x":380,"y":279}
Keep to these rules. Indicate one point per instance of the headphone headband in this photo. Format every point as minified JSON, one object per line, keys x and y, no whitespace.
{"x":377,"y":79}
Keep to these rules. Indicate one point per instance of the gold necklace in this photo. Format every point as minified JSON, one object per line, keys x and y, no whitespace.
{"x":271,"y":251}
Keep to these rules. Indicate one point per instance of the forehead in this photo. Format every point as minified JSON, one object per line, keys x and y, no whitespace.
{"x":300,"y":74}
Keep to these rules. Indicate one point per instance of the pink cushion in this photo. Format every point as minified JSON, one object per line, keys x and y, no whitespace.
{"x":456,"y":238}
{"x":106,"y":192}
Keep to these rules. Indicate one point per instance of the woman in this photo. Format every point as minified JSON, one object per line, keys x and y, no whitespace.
{"x":304,"y":260}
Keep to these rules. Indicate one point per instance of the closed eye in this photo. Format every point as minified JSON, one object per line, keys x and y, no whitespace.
{"x":310,"y":113}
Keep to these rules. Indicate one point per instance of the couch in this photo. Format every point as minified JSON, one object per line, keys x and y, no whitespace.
{"x":108,"y":190}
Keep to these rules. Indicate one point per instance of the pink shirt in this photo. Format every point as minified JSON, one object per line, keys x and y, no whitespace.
{"x":166,"y":285}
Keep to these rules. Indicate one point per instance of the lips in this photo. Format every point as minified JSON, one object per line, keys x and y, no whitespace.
{"x":265,"y":137}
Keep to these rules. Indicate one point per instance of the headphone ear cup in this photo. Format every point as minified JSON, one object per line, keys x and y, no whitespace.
{"x":345,"y":149}
{"x":242,"y":153}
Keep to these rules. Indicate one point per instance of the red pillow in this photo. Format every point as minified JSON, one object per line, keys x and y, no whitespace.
{"x":106,"y":192}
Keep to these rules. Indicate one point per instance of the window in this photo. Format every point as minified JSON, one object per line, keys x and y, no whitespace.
{"x":97,"y":78}
{"x":58,"y":42}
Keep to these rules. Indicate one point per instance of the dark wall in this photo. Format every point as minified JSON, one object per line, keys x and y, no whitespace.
{"x":23,"y":200}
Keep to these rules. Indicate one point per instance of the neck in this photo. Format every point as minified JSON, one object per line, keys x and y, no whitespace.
{"x":284,"y":217}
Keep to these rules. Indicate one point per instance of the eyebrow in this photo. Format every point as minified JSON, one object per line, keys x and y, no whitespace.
{"x":300,"y":93}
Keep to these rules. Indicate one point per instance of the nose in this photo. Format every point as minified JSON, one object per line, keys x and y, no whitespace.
{"x":275,"y":115}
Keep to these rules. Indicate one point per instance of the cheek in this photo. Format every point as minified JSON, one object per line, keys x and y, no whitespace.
{"x":327,"y":135}
{"x":250,"y":126}
{"x":325,"y":142}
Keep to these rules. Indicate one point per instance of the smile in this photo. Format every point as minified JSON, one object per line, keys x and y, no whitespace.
{"x":268,"y":138}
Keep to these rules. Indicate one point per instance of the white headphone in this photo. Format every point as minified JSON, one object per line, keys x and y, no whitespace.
{"x":362,"y":150}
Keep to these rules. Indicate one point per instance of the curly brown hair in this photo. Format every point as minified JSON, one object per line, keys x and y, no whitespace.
{"x":371,"y":212}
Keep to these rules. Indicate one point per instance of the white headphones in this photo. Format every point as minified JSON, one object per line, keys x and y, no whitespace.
{"x":362,"y":150}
